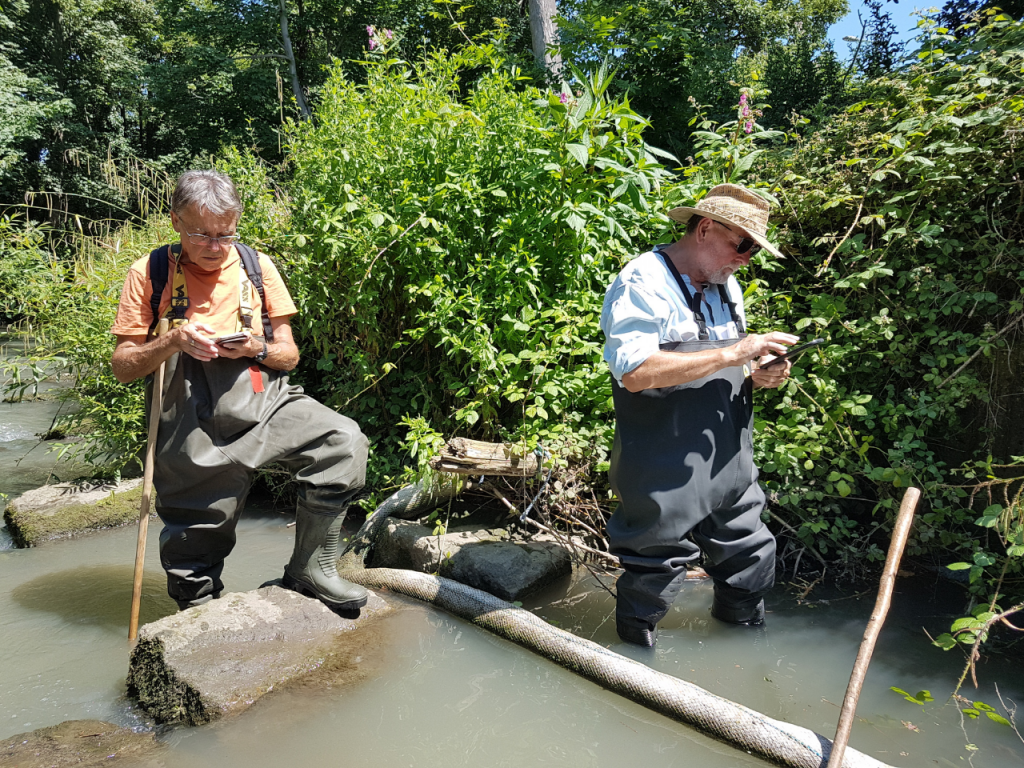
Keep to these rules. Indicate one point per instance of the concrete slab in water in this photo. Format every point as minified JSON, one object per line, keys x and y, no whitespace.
{"x":81,"y":743}
{"x":482,"y":559}
{"x":68,"y":509}
{"x":221,"y":657}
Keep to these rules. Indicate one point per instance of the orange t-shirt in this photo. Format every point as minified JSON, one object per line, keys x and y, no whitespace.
{"x":213,"y":296}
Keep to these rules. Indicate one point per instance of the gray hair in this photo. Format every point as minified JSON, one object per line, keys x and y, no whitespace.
{"x":210,"y":190}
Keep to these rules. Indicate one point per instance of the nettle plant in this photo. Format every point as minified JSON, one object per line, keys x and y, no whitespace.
{"x":458,"y":230}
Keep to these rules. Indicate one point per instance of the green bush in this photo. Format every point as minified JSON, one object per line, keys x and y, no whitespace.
{"x":29,"y":275}
{"x":452,"y":250}
{"x":903,"y":219}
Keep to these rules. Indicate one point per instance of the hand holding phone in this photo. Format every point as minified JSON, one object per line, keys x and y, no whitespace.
{"x":793,"y":352}
{"x":231,"y":338}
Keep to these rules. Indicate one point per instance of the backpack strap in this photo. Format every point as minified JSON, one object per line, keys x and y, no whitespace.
{"x":251,"y":262}
{"x":158,"y":259}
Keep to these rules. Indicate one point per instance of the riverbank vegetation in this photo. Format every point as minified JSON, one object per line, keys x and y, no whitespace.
{"x":448,"y":217}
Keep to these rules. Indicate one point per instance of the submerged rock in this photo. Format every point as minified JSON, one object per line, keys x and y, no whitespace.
{"x":80,"y":743}
{"x":219,"y":658}
{"x":68,"y":509}
{"x":482,"y":559}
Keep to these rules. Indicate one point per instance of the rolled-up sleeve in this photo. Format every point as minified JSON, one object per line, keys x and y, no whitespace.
{"x":632,"y":320}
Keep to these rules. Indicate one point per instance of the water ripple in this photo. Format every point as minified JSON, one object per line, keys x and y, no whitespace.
{"x":11,"y":432}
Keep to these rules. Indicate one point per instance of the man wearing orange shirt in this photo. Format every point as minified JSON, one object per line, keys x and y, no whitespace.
{"x":228,"y":407}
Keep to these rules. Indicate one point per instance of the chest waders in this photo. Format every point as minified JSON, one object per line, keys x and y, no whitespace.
{"x":223,"y":419}
{"x":682,"y":467}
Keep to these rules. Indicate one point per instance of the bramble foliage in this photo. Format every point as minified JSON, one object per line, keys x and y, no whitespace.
{"x":452,"y":251}
{"x":902,"y":216}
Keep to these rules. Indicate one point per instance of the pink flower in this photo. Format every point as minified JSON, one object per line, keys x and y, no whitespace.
{"x":746,"y":111}
{"x":748,"y":127}
{"x":564,"y":98}
{"x":369,"y":31}
{"x":389,"y":33}
{"x":743,"y":99}
{"x":373,"y":44}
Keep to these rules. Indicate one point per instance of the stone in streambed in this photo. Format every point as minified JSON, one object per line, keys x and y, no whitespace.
{"x":480,"y":558}
{"x":80,"y":743}
{"x":219,"y":658}
{"x":69,"y":509}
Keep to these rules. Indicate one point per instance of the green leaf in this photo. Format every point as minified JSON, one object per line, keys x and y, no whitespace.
{"x":579,"y":152}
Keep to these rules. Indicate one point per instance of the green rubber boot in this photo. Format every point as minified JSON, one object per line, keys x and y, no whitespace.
{"x":313,"y":569}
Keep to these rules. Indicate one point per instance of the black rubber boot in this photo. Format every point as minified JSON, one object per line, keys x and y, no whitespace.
{"x":184,"y":605}
{"x":313,"y":569}
{"x":636,"y":631}
{"x":748,"y":616}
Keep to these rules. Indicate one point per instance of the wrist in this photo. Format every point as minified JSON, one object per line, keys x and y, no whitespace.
{"x":263,"y":352}
{"x":733,"y":356}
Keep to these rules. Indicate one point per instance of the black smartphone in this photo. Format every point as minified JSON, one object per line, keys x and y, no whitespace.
{"x":231,"y":338}
{"x":794,"y":352}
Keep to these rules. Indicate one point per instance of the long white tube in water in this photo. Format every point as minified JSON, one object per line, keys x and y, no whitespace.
{"x":782,"y":742}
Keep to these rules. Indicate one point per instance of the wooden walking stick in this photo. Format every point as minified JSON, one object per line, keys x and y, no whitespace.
{"x":867,"y":645}
{"x":147,"y":491}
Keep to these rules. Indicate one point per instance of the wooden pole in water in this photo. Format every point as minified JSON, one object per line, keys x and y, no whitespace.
{"x":147,"y":491}
{"x":867,"y":645}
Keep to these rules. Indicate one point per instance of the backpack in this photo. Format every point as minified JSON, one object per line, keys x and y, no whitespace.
{"x":158,"y":273}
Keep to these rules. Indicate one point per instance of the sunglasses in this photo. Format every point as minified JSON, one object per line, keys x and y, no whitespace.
{"x":744,"y":245}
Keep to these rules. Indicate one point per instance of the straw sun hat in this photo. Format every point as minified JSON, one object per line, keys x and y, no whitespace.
{"x":731,"y":204}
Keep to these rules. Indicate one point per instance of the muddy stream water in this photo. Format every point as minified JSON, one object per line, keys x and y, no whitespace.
{"x":436,"y":691}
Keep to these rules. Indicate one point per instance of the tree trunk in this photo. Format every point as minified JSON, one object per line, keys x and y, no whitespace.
{"x":545,"y":35}
{"x":296,"y":85}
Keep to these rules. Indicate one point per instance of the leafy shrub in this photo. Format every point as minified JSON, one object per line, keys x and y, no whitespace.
{"x":29,"y":275}
{"x":453,"y":249}
{"x":903,"y":218}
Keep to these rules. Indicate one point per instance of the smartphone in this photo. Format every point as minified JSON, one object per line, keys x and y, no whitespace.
{"x":231,"y":338}
{"x":794,"y":352}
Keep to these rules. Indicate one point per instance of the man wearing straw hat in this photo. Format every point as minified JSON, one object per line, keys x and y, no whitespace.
{"x":683,"y":370}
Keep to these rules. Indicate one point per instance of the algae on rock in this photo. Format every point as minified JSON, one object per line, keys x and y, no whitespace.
{"x":70,"y":509}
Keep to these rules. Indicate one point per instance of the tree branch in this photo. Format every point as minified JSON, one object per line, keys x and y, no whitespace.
{"x":289,"y":55}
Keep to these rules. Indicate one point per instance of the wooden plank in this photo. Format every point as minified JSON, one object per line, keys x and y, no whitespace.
{"x":462,"y":456}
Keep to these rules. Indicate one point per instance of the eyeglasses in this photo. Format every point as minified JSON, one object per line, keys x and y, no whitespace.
{"x":206,"y":240}
{"x":744,"y":245}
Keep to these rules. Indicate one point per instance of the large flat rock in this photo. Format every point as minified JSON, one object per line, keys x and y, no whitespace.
{"x":483,"y":559}
{"x":219,"y":658}
{"x":81,"y":743}
{"x":68,"y":509}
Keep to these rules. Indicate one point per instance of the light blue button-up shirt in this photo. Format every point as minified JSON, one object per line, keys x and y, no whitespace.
{"x":644,"y":308}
